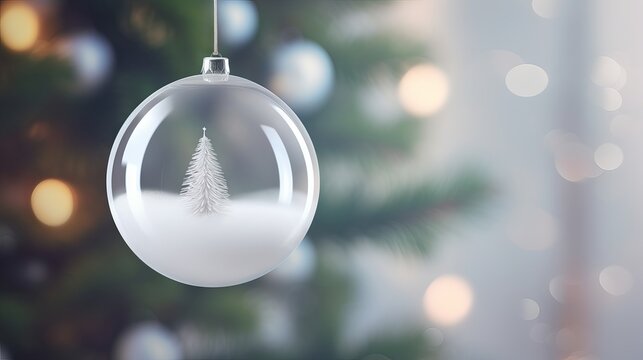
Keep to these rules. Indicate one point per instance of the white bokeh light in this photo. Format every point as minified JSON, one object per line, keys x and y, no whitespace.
{"x":622,"y":79}
{"x":299,"y":265}
{"x":238,"y":21}
{"x":423,"y":90}
{"x":527,"y":80}
{"x":148,"y":341}
{"x":608,"y":156}
{"x":616,"y":280}
{"x":303,"y":75}
{"x":548,"y":9}
{"x":448,"y":300}
{"x":530,"y":309}
{"x":4,"y":355}
{"x":574,"y":161}
{"x":610,"y":99}
{"x":504,"y":60}
{"x":434,"y":336}
{"x":90,"y":55}
{"x":557,"y":289}
{"x":378,"y":100}
{"x":606,"y":71}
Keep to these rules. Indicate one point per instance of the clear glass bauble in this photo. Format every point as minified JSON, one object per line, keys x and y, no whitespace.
{"x":213,"y":181}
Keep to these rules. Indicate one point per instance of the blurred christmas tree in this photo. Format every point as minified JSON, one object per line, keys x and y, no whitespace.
{"x":76,"y":291}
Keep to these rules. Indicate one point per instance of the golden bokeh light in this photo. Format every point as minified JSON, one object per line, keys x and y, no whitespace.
{"x":52,"y":202}
{"x":19,"y":26}
{"x":423,"y":90}
{"x":448,"y":300}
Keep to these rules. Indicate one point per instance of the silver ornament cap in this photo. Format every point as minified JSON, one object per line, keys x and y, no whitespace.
{"x":215,"y":68}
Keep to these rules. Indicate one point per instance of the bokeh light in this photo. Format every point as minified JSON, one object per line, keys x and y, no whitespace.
{"x":434,"y":336}
{"x":611,"y":99}
{"x":90,"y":55}
{"x":448,"y":300}
{"x":148,"y":341}
{"x":527,"y":80}
{"x":608,"y":156}
{"x":616,"y":280}
{"x":574,"y":161}
{"x":530,"y":309}
{"x":504,"y":60}
{"x":607,"y":72}
{"x":238,"y":21}
{"x":7,"y":239}
{"x":275,"y":325}
{"x":299,"y":265}
{"x":35,"y":271}
{"x":375,"y":357}
{"x":546,"y":8}
{"x":4,"y":355}
{"x":19,"y":26}
{"x":303,"y":75}
{"x":423,"y":90}
{"x":378,"y":100}
{"x":52,"y":201}
{"x":557,"y":289}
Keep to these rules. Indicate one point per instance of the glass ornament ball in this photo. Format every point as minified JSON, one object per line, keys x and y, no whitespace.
{"x":212,"y":180}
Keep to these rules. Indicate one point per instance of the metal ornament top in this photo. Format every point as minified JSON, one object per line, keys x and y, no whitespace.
{"x":215,"y":68}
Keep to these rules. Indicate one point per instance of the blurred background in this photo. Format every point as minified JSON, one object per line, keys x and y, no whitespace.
{"x":479,"y":164}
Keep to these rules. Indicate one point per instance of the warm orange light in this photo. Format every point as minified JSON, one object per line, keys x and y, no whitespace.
{"x":52,"y":202}
{"x":19,"y":26}
{"x":448,"y":300}
{"x":423,"y":90}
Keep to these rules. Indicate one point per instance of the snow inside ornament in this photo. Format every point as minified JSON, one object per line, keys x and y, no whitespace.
{"x":230,"y":210}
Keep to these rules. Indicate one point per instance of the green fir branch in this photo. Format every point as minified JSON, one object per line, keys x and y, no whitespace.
{"x":406,"y":218}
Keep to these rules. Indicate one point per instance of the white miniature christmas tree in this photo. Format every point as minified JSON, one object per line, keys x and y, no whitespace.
{"x":204,"y":187}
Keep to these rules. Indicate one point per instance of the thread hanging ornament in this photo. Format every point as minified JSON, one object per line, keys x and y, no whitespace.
{"x":228,"y":210}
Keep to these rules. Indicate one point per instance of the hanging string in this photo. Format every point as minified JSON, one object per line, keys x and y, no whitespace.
{"x":215,"y":42}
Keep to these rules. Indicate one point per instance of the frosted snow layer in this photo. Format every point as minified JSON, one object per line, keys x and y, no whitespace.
{"x":251,"y":238}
